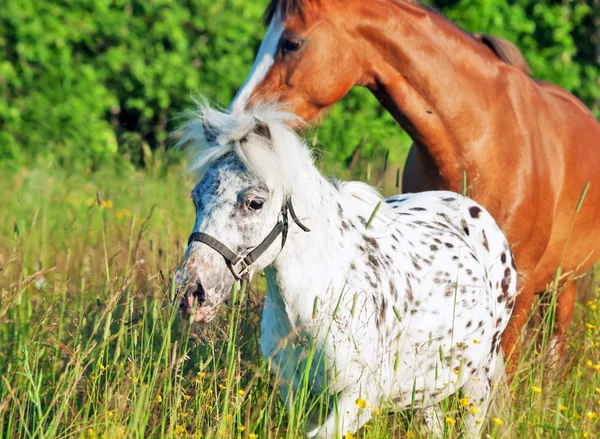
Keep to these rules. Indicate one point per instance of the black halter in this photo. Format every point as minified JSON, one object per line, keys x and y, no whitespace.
{"x":232,"y":259}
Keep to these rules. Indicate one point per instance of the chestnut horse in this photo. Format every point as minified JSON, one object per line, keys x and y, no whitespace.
{"x":528,"y":147}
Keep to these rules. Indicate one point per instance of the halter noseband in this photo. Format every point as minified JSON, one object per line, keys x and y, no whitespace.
{"x":232,"y":259}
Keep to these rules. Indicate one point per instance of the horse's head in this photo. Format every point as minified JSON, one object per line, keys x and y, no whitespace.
{"x":242,"y":197}
{"x":308,"y":60}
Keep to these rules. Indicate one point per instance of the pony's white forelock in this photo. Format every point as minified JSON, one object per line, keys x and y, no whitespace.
{"x":211,"y":134}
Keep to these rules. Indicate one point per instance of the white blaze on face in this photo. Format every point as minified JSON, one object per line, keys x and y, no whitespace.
{"x":262,"y":64}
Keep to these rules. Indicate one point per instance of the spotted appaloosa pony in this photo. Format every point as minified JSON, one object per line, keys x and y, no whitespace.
{"x":528,"y":147}
{"x":411,"y":299}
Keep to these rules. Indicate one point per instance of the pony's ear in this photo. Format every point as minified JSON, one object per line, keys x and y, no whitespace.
{"x":506,"y":51}
{"x":262,"y":129}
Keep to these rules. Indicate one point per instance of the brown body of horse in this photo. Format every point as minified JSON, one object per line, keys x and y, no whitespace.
{"x":528,"y":147}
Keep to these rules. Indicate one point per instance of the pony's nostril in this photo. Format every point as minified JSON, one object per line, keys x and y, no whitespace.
{"x":199,"y":294}
{"x":195,"y":295}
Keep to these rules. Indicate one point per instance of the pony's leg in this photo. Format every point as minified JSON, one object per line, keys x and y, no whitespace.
{"x":346,"y":416}
{"x":478,"y":390}
{"x":564,"y":314}
{"x":434,"y":421}
{"x":501,"y":398}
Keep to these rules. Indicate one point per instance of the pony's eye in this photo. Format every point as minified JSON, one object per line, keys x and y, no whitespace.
{"x":256,"y":204}
{"x":291,"y":45}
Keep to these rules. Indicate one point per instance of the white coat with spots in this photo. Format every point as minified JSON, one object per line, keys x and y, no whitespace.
{"x":413,"y":302}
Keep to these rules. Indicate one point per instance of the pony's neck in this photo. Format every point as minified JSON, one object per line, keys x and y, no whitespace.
{"x":423,"y":69}
{"x":316,"y":263}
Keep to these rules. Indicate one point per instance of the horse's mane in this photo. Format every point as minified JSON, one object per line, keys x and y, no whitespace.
{"x":260,"y":138}
{"x":503,"y":49}
{"x":285,"y":8}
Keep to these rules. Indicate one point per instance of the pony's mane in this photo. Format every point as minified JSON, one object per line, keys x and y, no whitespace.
{"x":260,"y":138}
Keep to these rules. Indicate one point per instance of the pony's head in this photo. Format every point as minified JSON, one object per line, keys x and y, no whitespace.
{"x":250,"y":162}
{"x":308,"y":59}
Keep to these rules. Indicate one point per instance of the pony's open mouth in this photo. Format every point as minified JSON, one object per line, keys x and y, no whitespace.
{"x":194,"y":305}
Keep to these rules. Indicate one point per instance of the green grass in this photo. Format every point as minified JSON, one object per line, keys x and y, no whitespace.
{"x":91,"y":345}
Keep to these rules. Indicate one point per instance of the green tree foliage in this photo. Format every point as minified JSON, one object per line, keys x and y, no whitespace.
{"x":83,"y":80}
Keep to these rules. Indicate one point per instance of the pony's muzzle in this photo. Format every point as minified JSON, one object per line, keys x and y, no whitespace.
{"x":194,"y":296}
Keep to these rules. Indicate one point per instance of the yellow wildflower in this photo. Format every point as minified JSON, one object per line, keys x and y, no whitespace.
{"x":241,"y":428}
{"x":361,"y":403}
{"x":252,"y":436}
{"x":450,"y":421}
{"x":589,"y":363}
{"x":590,"y":326}
{"x":186,"y":397}
{"x":498,"y":421}
{"x":409,"y":434}
{"x":120,"y":432}
{"x":536,"y":389}
{"x":576,"y":415}
{"x":563,"y":408}
{"x":475,"y":341}
{"x":349,"y":436}
{"x":158,"y":399}
{"x":591,"y":415}
{"x":464,"y":402}
{"x":222,"y":387}
{"x":473,"y":409}
{"x":201,"y":374}
{"x":241,"y":392}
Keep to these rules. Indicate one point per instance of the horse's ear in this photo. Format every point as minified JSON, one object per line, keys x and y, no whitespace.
{"x":506,"y":51}
{"x":262,"y":129}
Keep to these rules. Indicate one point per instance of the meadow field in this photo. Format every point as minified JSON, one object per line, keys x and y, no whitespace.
{"x":92,"y":346}
{"x":95,"y":213}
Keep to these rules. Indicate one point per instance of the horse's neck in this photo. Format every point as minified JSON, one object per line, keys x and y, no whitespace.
{"x":315,"y":264}
{"x":433,"y":79}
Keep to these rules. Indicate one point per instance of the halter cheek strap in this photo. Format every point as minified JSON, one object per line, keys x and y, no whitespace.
{"x":232,"y":259}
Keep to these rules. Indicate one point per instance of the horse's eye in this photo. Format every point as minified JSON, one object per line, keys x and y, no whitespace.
{"x":291,"y":45}
{"x":256,"y":204}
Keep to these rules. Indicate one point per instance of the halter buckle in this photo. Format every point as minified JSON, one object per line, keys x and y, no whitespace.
{"x":245,"y":268}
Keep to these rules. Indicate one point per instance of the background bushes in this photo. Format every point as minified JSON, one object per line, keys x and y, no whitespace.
{"x":85,"y":81}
